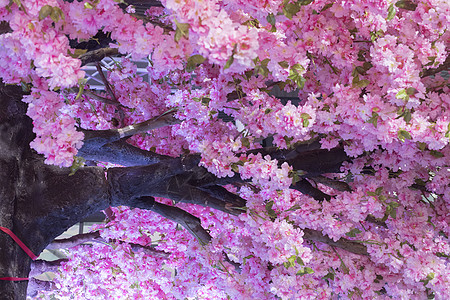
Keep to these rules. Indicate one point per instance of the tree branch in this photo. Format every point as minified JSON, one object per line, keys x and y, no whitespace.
{"x":350,"y":246}
{"x":92,"y":95}
{"x":179,"y":191}
{"x":109,"y":146}
{"x":97,"y":55}
{"x":75,"y":240}
{"x":305,"y":187}
{"x":185,"y":219}
{"x":317,"y":162}
{"x":334,"y":184}
{"x":41,"y":266}
{"x":103,"y":137}
{"x":95,"y":237}
{"x":35,"y":286}
{"x":445,"y":66}
{"x":146,"y":3}
{"x":121,"y":153}
{"x":132,"y":182}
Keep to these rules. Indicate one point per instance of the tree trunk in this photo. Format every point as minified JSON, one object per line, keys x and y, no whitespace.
{"x":37,"y":202}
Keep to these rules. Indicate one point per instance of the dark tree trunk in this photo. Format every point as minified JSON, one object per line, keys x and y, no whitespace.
{"x":37,"y":202}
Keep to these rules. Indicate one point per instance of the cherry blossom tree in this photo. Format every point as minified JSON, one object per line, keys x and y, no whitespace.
{"x":341,"y":192}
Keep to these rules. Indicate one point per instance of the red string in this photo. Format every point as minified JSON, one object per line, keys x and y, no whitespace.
{"x":21,"y":245}
{"x":14,"y":278}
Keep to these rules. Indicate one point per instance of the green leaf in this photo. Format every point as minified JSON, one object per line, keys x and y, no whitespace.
{"x":294,"y":75}
{"x":327,"y":6}
{"x":436,"y":154}
{"x":205,"y":101}
{"x":231,"y":58}
{"x":80,"y":91}
{"x":373,"y":119}
{"x":284,"y":64}
{"x":422,"y":146}
{"x":367,"y":65}
{"x":402,"y":94}
{"x":245,"y":142}
{"x":235,"y":166}
{"x":442,"y":254}
{"x":353,"y":232}
{"x":290,"y":10}
{"x":244,"y":260}
{"x":305,"y":271}
{"x":88,"y":5}
{"x":403,"y":135}
{"x":411,"y":91}
{"x":432,"y":60}
{"x":268,"y":111}
{"x":362,"y":83}
{"x":298,"y":68}
{"x":406,"y":4}
{"x":54,"y":16}
{"x":78,"y":162}
{"x":77,"y":53}
{"x":182,"y":30}
{"x":330,"y":276}
{"x":272,"y":214}
{"x":271,"y":19}
{"x":407,"y":115}
{"x":45,"y":11}
{"x":305,"y":119}
{"x":26,"y":87}
{"x":393,"y":213}
{"x":193,"y":61}
{"x":379,"y":190}
{"x":295,"y":177}
{"x":293,"y":208}
{"x":262,"y":70}
{"x":391,"y":12}
{"x":305,"y":2}
{"x":360,"y":70}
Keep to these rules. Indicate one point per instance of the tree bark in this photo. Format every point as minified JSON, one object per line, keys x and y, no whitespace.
{"x":37,"y":202}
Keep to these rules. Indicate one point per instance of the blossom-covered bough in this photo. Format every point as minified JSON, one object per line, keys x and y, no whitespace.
{"x":342,"y":192}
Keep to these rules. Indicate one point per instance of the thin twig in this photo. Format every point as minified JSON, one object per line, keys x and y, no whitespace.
{"x":110,"y":92}
{"x":94,"y":96}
